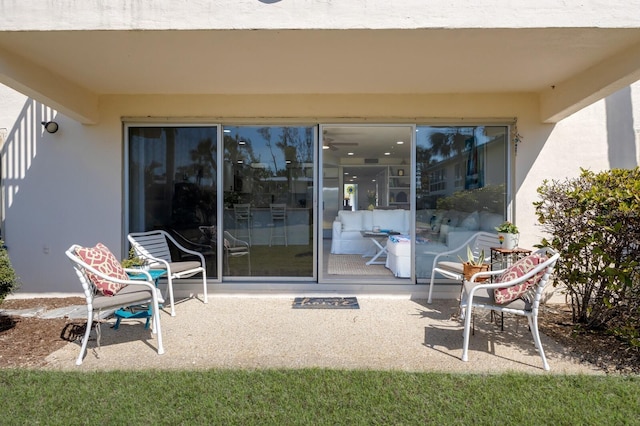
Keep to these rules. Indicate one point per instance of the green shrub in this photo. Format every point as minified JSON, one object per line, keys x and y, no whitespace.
{"x":594,"y":221}
{"x":8,"y":279}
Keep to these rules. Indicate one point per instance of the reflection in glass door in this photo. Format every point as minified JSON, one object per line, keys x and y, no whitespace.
{"x":172,"y":185}
{"x":268,"y":213}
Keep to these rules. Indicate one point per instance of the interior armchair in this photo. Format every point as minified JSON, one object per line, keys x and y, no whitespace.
{"x":154,"y":247}
{"x":516,"y":290}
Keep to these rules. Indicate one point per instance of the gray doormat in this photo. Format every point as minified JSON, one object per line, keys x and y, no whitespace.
{"x":325,"y":303}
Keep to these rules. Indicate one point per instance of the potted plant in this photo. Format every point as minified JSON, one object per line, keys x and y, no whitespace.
{"x":474,"y":264}
{"x":134,"y":261}
{"x":508,"y":235}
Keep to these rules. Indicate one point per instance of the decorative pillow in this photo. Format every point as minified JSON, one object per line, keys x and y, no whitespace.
{"x":101,"y":259}
{"x":518,"y":269}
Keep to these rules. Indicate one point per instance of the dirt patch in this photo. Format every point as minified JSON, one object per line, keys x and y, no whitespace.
{"x":27,"y":341}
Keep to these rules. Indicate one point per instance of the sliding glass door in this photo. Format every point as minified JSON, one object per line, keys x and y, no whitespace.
{"x":366,"y":202}
{"x":268,"y":211}
{"x":172,"y":185}
{"x":461,"y":187}
{"x":245,"y":196}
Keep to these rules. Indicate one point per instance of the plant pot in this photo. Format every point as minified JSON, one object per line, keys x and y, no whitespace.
{"x":508,"y":241}
{"x":468,"y":270}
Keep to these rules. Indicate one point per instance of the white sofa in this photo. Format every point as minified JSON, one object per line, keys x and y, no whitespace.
{"x":347,"y":236}
{"x":437,"y":231}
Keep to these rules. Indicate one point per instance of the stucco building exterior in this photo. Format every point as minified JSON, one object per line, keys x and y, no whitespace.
{"x":171,"y":113}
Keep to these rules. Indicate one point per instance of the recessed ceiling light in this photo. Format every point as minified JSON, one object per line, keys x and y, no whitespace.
{"x":325,"y":146}
{"x":400,"y":142}
{"x":387,"y":153}
{"x":349,"y":153}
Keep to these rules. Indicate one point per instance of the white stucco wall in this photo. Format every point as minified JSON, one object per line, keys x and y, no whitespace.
{"x":67,"y":187}
{"x":602,"y":136}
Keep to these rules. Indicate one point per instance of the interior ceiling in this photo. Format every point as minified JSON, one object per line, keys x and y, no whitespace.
{"x":376,"y":142}
{"x":318,"y":61}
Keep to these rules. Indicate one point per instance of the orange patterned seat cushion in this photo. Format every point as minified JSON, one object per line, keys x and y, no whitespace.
{"x":101,"y":259}
{"x":521,"y":267}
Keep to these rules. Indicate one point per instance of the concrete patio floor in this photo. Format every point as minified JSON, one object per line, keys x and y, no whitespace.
{"x":265,"y":332}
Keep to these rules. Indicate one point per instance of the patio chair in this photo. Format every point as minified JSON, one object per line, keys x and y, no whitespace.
{"x":234,"y":247}
{"x":448,"y":264}
{"x":154,"y":247}
{"x":106,"y":287}
{"x":516,"y":290}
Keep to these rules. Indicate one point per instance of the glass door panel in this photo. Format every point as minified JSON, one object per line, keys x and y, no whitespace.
{"x":268,"y":215}
{"x":366,"y":196}
{"x":172,"y":185}
{"x":461,"y":177}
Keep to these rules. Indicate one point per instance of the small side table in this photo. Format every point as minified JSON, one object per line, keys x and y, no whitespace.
{"x":377,"y":238}
{"x":138,"y":311}
{"x":503,"y":258}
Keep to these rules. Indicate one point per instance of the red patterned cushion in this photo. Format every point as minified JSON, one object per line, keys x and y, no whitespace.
{"x":101,"y":259}
{"x":518,"y":269}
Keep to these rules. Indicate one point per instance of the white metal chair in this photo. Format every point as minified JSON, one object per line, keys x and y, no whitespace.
{"x":154,"y":247}
{"x":234,"y":247}
{"x":528,"y":286}
{"x":135,"y":292}
{"x":278,"y":216}
{"x":242,"y":214}
{"x":448,"y":264}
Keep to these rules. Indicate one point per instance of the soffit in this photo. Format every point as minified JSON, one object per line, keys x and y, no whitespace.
{"x":319,"y":61}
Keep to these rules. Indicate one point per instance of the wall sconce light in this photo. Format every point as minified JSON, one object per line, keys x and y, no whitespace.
{"x":50,"y":126}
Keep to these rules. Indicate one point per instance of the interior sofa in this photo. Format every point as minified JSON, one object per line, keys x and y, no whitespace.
{"x":346,"y":233}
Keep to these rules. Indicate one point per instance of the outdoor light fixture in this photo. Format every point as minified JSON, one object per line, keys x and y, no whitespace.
{"x":50,"y":126}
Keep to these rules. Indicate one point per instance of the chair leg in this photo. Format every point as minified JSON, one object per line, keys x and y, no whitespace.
{"x":533,"y":324}
{"x":156,"y":323}
{"x":204,"y":286}
{"x":85,"y":339}
{"x":430,"y":287}
{"x":170,"y":290}
{"x":465,"y":334}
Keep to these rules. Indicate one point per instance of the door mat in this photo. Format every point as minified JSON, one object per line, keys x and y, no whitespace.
{"x":325,"y":303}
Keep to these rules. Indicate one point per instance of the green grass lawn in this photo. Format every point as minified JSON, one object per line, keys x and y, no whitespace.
{"x":314,"y":396}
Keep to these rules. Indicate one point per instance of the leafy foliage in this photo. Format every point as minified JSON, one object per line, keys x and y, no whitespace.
{"x":8,"y":279}
{"x":133,"y":261}
{"x":594,"y":221}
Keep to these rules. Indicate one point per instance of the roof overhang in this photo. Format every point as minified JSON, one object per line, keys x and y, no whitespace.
{"x":566,"y":68}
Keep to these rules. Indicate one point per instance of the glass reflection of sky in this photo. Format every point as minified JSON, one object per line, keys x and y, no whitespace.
{"x":266,"y":152}
{"x":482,"y":135}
